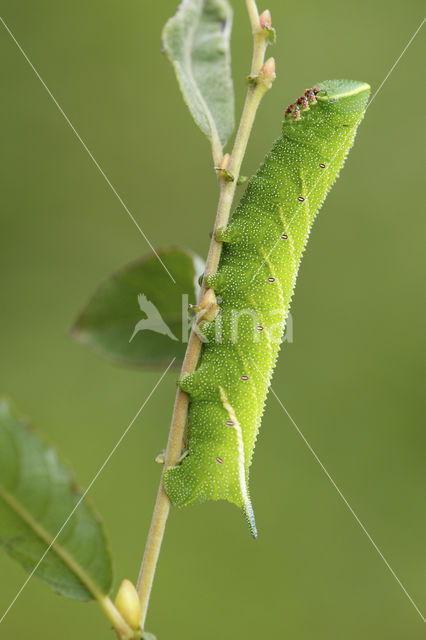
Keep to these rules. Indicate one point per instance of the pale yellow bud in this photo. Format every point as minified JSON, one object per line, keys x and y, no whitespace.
{"x":265,"y":19}
{"x":268,"y":69}
{"x":127,"y":603}
{"x":224,"y":163}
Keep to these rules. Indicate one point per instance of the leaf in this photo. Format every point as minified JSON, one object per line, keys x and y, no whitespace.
{"x":196,"y":41}
{"x":138,"y":316}
{"x":37,"y":496}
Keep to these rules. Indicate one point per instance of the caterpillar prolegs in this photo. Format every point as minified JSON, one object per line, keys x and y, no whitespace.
{"x":262,"y":250}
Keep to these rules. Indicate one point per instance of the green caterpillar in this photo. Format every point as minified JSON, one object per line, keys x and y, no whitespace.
{"x":263,"y":247}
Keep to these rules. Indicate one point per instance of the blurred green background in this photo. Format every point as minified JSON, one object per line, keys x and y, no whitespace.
{"x":353,"y":380}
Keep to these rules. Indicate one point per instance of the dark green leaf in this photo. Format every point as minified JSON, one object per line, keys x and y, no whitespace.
{"x":196,"y":40}
{"x":37,"y":498}
{"x":141,"y":301}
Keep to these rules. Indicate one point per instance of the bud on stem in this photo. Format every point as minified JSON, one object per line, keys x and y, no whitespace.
{"x":265,"y":19}
{"x":224,"y":163}
{"x":209,"y":307}
{"x":127,"y":603}
{"x":222,"y":168}
{"x":268,"y":69}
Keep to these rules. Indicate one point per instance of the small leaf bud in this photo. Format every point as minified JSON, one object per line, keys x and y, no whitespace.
{"x":161,"y":457}
{"x":268,"y":69}
{"x":127,"y":603}
{"x":209,"y":307}
{"x":265,"y":19}
{"x":224,"y":163}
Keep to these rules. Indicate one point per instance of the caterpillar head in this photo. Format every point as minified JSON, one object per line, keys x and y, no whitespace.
{"x":339,"y":98}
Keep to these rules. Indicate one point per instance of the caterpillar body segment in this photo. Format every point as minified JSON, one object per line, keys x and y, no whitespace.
{"x":262,"y":250}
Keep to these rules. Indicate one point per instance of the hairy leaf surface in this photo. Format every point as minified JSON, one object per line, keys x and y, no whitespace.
{"x":196,"y":41}
{"x":263,"y":247}
{"x":37,"y":496}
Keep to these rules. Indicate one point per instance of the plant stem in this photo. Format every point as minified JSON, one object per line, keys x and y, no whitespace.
{"x":255,"y":92}
{"x":123,"y":630}
{"x":253,"y":14}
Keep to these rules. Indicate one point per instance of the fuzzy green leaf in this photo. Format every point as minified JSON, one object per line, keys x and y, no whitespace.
{"x":37,"y":496}
{"x":196,"y":41}
{"x":138,"y":316}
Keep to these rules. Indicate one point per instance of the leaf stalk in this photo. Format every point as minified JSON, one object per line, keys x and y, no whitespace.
{"x":122,"y":629}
